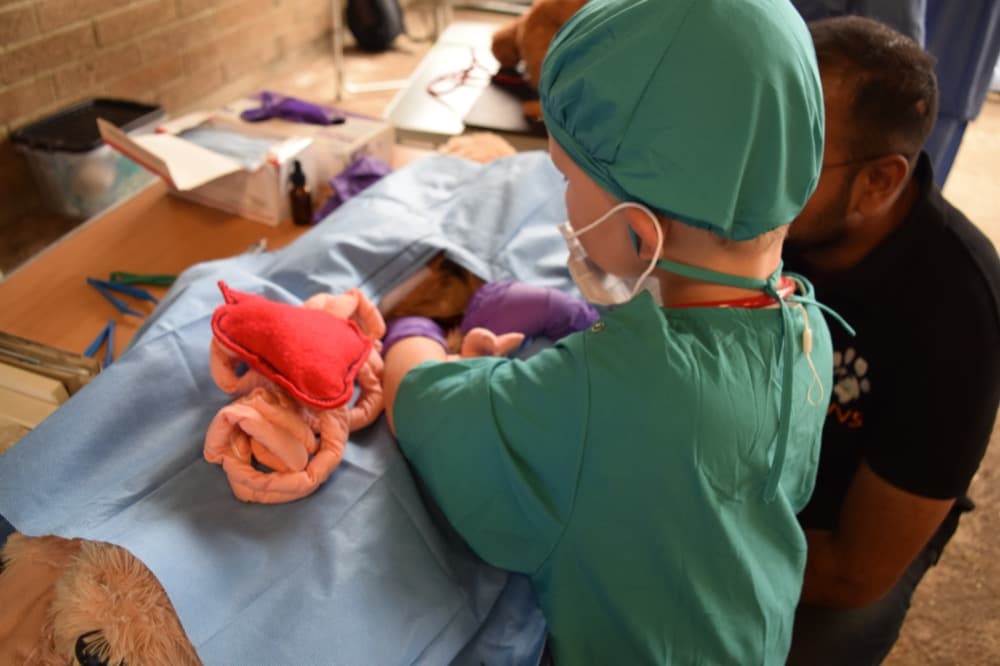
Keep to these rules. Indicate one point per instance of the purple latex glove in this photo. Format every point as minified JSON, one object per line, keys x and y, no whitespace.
{"x":408,"y":327}
{"x":359,"y":175}
{"x":293,"y":109}
{"x":505,"y":307}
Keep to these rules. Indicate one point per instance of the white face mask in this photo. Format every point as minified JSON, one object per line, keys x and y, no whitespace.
{"x":597,"y":285}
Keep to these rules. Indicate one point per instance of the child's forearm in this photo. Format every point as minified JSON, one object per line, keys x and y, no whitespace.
{"x":401,"y":358}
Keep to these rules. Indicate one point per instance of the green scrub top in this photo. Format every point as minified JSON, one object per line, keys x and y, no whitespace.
{"x":624,"y":470}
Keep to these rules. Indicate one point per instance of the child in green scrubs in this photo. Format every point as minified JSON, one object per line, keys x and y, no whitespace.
{"x":646,"y":472}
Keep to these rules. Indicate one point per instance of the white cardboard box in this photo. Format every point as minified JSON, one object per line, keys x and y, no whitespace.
{"x":258,"y":191}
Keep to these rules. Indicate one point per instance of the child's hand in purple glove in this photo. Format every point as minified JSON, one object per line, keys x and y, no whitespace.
{"x":408,"y":327}
{"x":476,"y":342}
{"x":508,"y":306}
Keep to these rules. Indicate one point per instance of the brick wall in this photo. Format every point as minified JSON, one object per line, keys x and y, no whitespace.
{"x":168,"y":52}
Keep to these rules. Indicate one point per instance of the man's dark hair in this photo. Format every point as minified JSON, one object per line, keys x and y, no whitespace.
{"x":892,"y":87}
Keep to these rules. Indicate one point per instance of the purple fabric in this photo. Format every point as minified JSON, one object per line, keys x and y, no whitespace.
{"x":293,"y":109}
{"x":408,"y":327}
{"x":505,"y":307}
{"x":360,"y":174}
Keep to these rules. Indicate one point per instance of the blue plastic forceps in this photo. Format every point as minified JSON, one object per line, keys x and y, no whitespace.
{"x":105,"y":288}
{"x":107,"y":334}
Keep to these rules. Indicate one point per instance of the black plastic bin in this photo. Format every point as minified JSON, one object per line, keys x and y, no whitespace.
{"x":76,"y":173}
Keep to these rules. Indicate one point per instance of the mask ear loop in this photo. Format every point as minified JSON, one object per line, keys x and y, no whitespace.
{"x":635,"y":239}
{"x":635,"y":243}
{"x":603,"y":218}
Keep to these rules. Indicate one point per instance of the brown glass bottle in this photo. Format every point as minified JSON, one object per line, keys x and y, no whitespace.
{"x":298,"y":196}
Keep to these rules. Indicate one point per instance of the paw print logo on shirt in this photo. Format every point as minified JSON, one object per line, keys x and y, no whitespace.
{"x":849,"y":376}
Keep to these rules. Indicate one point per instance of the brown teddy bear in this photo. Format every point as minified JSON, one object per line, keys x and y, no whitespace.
{"x":526,"y":39}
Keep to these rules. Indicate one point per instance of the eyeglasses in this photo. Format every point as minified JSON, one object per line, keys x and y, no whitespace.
{"x":864,"y":160}
{"x":476,"y":74}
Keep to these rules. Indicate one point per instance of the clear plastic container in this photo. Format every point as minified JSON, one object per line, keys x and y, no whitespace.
{"x":76,"y":173}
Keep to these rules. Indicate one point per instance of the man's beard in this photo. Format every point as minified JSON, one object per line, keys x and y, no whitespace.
{"x":830,"y":230}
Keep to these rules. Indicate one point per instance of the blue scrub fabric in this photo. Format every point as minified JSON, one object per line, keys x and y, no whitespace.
{"x":943,"y":143}
{"x":361,"y":572}
{"x":905,"y":16}
{"x":965,"y":39}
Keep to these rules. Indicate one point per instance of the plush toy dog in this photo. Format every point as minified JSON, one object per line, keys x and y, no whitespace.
{"x":526,"y":39}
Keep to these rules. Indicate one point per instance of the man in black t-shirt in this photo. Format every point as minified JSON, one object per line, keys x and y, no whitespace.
{"x":916,"y":391}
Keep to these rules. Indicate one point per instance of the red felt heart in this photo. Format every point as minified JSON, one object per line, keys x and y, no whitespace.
{"x":312,"y":354}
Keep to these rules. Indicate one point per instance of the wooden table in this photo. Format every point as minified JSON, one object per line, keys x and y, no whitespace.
{"x":49,"y":300}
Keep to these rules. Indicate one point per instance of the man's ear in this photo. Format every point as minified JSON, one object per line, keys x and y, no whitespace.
{"x":879,"y":184}
{"x":650,"y":242}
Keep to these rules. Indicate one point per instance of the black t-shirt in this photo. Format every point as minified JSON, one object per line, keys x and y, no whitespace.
{"x":916,"y":391}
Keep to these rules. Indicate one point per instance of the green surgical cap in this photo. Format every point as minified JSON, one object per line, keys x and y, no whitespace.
{"x":708,"y":111}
